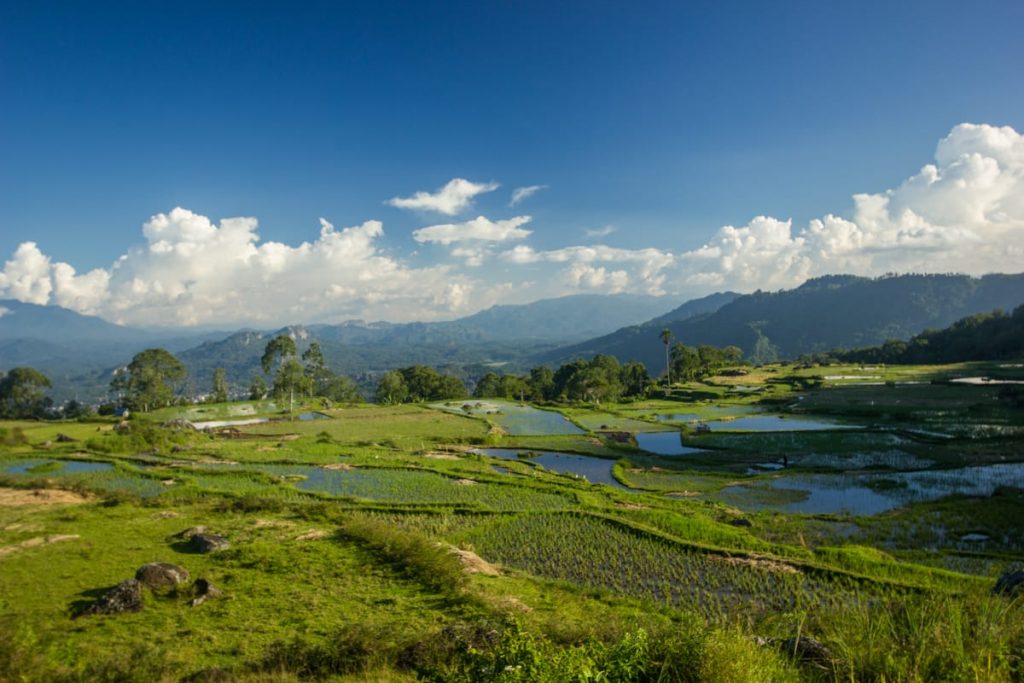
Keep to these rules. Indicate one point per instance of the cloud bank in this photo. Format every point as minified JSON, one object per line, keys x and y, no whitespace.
{"x":192,"y":271}
{"x":962,"y":213}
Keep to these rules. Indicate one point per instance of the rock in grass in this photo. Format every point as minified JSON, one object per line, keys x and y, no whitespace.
{"x":809,"y":651}
{"x":208,"y":543}
{"x":204,"y":590}
{"x":1010,"y":584}
{"x":157,"y":575}
{"x":187,"y":533}
{"x":124,"y":597}
{"x":742,"y":521}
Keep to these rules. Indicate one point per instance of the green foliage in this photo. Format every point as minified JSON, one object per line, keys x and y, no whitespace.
{"x":13,"y":436}
{"x":21,"y":393}
{"x":280,"y":347}
{"x":418,"y":383}
{"x":421,"y":558}
{"x":220,"y":386}
{"x":290,"y":381}
{"x":392,"y":388}
{"x":984,"y":336}
{"x":257,"y":389}
{"x":150,"y":381}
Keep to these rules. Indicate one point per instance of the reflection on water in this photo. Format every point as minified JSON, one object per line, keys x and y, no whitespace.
{"x":64,"y":467}
{"x":869,"y":494}
{"x":665,"y":443}
{"x":774,"y":423}
{"x":594,"y":470}
{"x":516,"y":419}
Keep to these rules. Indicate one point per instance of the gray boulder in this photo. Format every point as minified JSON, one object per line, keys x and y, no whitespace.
{"x":156,"y":575}
{"x":124,"y":597}
{"x":204,"y":591}
{"x":208,"y":543}
{"x":1010,"y":584}
{"x":809,"y":651}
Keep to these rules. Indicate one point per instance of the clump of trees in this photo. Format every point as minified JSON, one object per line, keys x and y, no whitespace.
{"x":308,"y":377}
{"x":418,"y":383}
{"x":984,"y":336}
{"x":602,"y":378}
{"x":691,"y":364}
{"x":151,"y":380}
{"x":22,"y":393}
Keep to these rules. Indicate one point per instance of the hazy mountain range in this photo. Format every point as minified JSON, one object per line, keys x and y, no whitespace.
{"x":835,"y":311}
{"x":79,"y":352}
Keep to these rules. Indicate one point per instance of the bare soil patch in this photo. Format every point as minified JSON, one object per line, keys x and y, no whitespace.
{"x":23,"y":497}
{"x":474,"y":564}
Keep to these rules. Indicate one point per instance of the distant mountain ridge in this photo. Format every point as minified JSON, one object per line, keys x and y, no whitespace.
{"x":78,"y":352}
{"x":825,"y":313}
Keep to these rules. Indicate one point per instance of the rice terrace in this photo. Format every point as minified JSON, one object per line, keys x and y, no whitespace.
{"x":511,"y":342}
{"x":497,"y":539}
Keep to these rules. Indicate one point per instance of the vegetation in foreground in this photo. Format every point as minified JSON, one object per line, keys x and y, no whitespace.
{"x":375,"y":543}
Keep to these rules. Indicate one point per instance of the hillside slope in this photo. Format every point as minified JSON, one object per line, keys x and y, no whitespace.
{"x":836,"y":311}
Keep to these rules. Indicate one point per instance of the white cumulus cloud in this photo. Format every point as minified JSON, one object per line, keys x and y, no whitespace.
{"x":964,"y":213}
{"x":645,"y":267}
{"x":480,"y":229}
{"x":191,"y":271}
{"x":450,"y":200}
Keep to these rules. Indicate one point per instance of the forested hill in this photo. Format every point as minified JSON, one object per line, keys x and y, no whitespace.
{"x":836,"y":311}
{"x":79,"y":352}
{"x":984,"y":336}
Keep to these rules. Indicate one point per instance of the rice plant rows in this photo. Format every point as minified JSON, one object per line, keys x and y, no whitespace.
{"x":598,"y":555}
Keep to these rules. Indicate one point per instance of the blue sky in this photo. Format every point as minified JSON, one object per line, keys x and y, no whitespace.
{"x":658,"y":122}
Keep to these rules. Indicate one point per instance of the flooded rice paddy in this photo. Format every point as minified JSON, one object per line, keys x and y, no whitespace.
{"x":869,"y":494}
{"x":514,"y":418}
{"x":594,"y":470}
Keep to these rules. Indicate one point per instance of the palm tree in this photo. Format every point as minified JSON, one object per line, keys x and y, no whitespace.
{"x":666,"y":339}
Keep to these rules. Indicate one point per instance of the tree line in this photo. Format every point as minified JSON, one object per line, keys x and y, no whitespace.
{"x":155,"y":378}
{"x":984,"y":336}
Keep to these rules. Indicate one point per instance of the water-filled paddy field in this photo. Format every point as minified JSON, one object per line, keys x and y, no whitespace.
{"x":514,"y":418}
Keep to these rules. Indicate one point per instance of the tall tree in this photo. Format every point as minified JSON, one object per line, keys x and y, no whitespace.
{"x":21,"y":393}
{"x":153,"y":377}
{"x":316,"y":368}
{"x":257,"y":388}
{"x":541,"y":383}
{"x":635,"y":380}
{"x":666,"y":339}
{"x":280,"y":348}
{"x":220,"y":386}
{"x":392,"y":388}
{"x":290,"y":376}
{"x":489,"y":386}
{"x":341,"y":389}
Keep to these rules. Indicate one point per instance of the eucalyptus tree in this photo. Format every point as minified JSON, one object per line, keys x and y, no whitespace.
{"x":151,"y":380}
{"x":21,"y":392}
{"x":290,"y":376}
{"x":220,"y":386}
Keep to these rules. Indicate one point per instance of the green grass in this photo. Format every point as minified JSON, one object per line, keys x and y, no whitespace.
{"x":626,"y":586}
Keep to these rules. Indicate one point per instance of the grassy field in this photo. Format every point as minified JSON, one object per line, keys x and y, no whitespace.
{"x":378,"y":544}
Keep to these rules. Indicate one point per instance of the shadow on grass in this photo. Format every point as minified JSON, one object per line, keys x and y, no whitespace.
{"x":86,"y":599}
